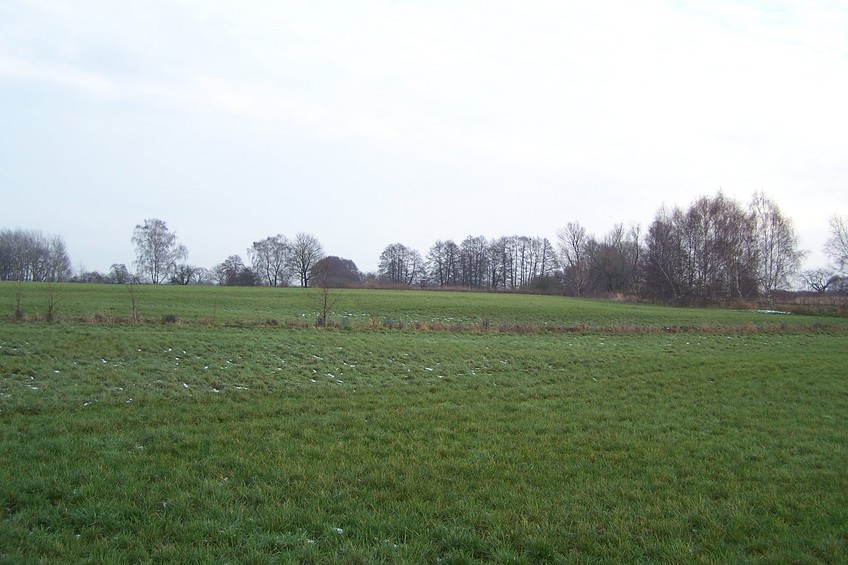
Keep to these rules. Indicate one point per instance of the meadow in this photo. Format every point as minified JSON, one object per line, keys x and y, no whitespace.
{"x":428,"y":428}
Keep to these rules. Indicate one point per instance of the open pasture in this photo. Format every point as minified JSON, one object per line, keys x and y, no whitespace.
{"x":359,"y":308}
{"x":203,"y":442}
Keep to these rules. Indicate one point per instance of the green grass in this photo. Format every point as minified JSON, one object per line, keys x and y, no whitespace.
{"x":451,"y":310}
{"x":215,"y":443}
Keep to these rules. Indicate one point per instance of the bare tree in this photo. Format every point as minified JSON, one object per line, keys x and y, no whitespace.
{"x":157,"y":250}
{"x":305,"y":251}
{"x":400,"y":264}
{"x":19,"y":295}
{"x":31,"y":256}
{"x":184,"y":274}
{"x":664,"y":258}
{"x":442,"y":263}
{"x":837,"y":245}
{"x":270,"y":259}
{"x":819,"y":280}
{"x":233,"y":272}
{"x":54,"y":296}
{"x":613,"y":263}
{"x":59,"y":264}
{"x":704,"y":254}
{"x":474,"y":262}
{"x":119,"y":274}
{"x":135,"y":316}
{"x":775,"y":245}
{"x":572,"y":241}
{"x":325,"y":296}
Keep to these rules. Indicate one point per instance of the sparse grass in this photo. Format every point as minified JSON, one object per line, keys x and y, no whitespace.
{"x":498,"y":442}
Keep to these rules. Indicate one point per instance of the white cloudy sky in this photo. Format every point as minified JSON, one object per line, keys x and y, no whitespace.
{"x":373,"y":122}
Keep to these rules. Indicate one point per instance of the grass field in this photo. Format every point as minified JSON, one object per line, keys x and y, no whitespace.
{"x":448,"y":310}
{"x":226,"y":439}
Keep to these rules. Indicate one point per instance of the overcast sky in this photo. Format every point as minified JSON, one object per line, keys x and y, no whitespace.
{"x":372,"y":122}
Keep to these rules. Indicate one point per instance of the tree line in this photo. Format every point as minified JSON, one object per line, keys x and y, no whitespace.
{"x":32,"y":256}
{"x":714,"y":250}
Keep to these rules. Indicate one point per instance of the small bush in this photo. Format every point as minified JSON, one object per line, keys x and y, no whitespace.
{"x":170,"y":318}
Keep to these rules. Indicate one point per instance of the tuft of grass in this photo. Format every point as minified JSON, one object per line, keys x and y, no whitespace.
{"x":170,"y":318}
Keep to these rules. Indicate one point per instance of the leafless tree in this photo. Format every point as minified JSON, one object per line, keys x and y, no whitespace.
{"x":442,"y":263}
{"x":400,"y":265}
{"x":775,"y":245}
{"x":572,"y":241}
{"x":819,"y":280}
{"x":53,"y":297}
{"x":325,"y":296}
{"x":614,"y":262}
{"x":664,"y":263}
{"x":31,"y":256}
{"x":19,"y":295}
{"x":119,"y":274}
{"x":837,"y":244}
{"x":270,"y":259}
{"x":474,"y":262}
{"x":135,"y":316}
{"x":157,"y":250}
{"x":233,"y":272}
{"x":702,"y":254}
{"x":184,"y":274}
{"x":305,"y":251}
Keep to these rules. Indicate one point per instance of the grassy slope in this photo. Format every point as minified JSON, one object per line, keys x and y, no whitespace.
{"x":226,"y":305}
{"x":164,"y":443}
